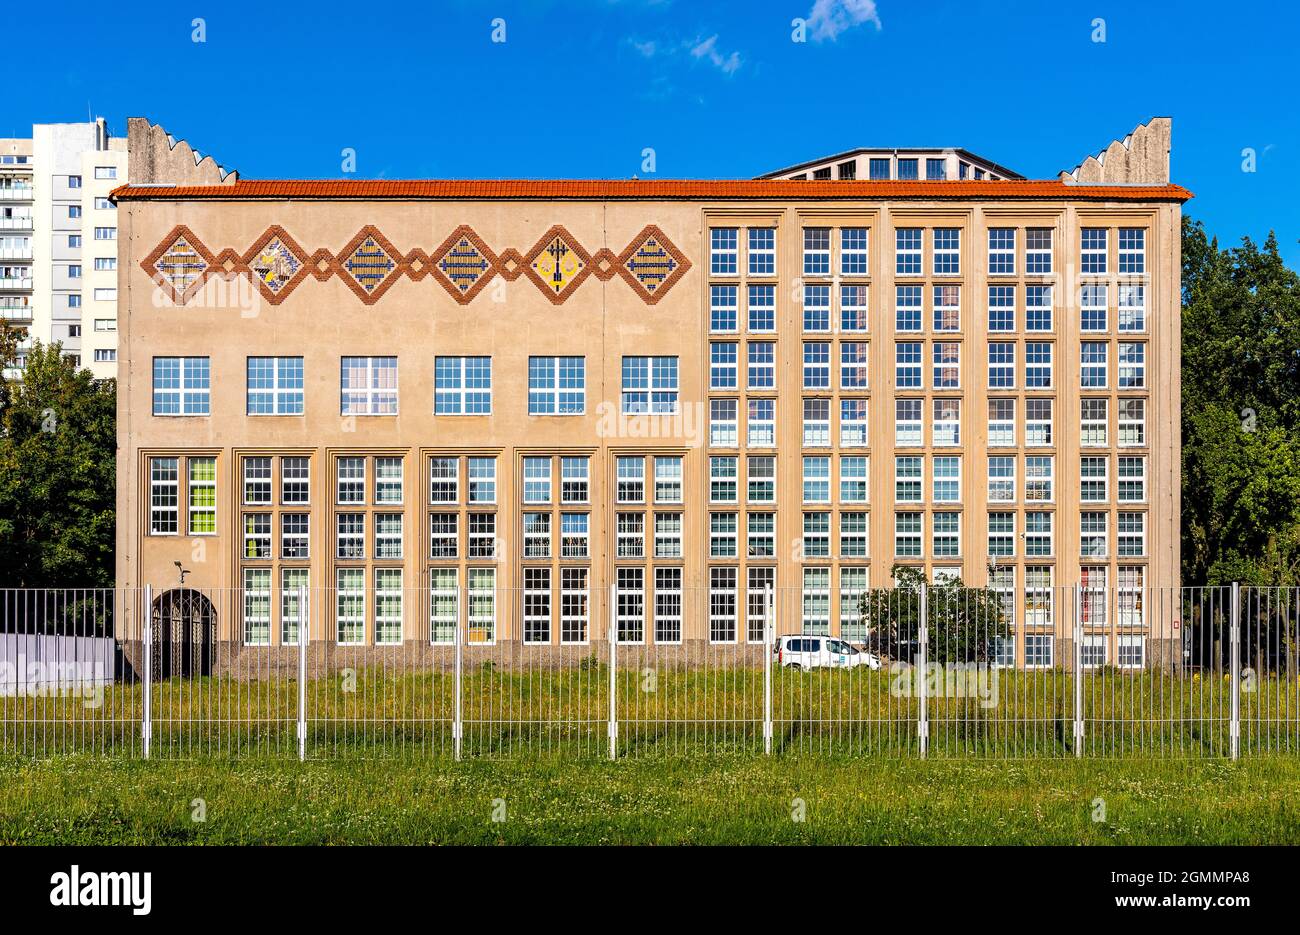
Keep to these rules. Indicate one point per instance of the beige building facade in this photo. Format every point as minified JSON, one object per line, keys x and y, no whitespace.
{"x":529,"y":407}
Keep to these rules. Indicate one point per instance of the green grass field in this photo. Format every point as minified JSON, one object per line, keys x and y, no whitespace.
{"x":652,"y":800}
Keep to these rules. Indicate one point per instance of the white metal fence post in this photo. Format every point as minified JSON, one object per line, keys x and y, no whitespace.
{"x":303,"y":623}
{"x":146,"y":724}
{"x":457,"y":718}
{"x":613,"y":670}
{"x":769,"y":613}
{"x":919,"y":677}
{"x":1234,"y":657}
{"x":1078,"y":671}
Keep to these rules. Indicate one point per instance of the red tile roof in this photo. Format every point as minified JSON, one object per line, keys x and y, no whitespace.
{"x":649,"y":190}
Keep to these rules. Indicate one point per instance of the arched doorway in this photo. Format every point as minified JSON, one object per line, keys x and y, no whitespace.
{"x":184,"y":634}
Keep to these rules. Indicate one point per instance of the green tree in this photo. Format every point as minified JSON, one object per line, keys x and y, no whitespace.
{"x":1240,"y":413}
{"x":964,"y":623}
{"x":57,"y":468}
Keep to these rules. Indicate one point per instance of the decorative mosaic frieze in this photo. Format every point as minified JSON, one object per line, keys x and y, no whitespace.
{"x":462,"y":264}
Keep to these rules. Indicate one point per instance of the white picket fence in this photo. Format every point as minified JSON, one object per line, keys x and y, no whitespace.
{"x":924,"y":672}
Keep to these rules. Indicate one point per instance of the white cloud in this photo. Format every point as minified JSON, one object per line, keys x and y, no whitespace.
{"x":708,"y":49}
{"x":829,"y":18}
{"x":646,"y":48}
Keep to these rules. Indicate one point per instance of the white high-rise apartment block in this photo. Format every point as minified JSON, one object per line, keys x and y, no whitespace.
{"x":58,"y":239}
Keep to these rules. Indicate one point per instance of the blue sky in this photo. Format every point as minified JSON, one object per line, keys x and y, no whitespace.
{"x":581,"y":88}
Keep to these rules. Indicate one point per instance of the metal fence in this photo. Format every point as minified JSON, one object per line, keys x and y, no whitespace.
{"x":456,"y":672}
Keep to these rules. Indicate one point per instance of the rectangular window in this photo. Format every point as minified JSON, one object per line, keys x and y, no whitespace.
{"x":722,"y":423}
{"x":1038,"y":365}
{"x":761,"y":582}
{"x":668,"y":535}
{"x":482,"y":479}
{"x":164,"y":493}
{"x":575,"y":477}
{"x":722,"y":480}
{"x":761,"y":423}
{"x":1132,"y":366}
{"x":908,"y":169}
{"x":482,"y":593}
{"x":1132,"y":250}
{"x":761,"y":365}
{"x":1093,"y":366}
{"x":854,"y":535}
{"x":388,"y":535}
{"x":761,"y":528}
{"x":537,"y":605}
{"x":854,"y":258}
{"x":762,"y":251}
{"x":1132,"y":423}
{"x":295,"y":535}
{"x":1038,"y":423}
{"x":1038,"y":535}
{"x":907,"y":423}
{"x":537,"y":535}
{"x":907,"y":251}
{"x":1002,"y":479}
{"x":853,"y":365}
{"x":369,"y":386}
{"x":1038,"y":251}
{"x":936,"y":169}
{"x":668,"y":605}
{"x":816,"y":308}
{"x":557,"y":386}
{"x":762,"y":308}
{"x":1093,"y":306}
{"x":275,"y":386}
{"x":631,"y":480}
{"x":462,"y":386}
{"x":1038,"y":478}
{"x":908,"y":482}
{"x":1002,"y":308}
{"x":947,"y":251}
{"x":295,"y":481}
{"x":817,"y":601}
{"x":203,"y":496}
{"x":1002,"y":534}
{"x":292,"y":581}
{"x":257,"y":481}
{"x":350,"y":539}
{"x":1092,"y":534}
{"x":1039,"y":606}
{"x":1092,"y":253}
{"x":853,"y":309}
{"x":1132,"y":542}
{"x":907,"y":535}
{"x":668,"y":479}
{"x":853,"y":589}
{"x":1130,"y":600}
{"x":444,"y":479}
{"x":761,"y":480}
{"x":1093,"y":479}
{"x":1002,"y":251}
{"x":106,"y":233}
{"x":947,"y":365}
{"x":482,"y":535}
{"x":907,"y":365}
{"x":853,"y":423}
{"x":631,"y":535}
{"x":1092,"y":423}
{"x":629,"y":605}
{"x":878,"y":168}
{"x":816,"y":251}
{"x":722,"y":535}
{"x":1132,"y":480}
{"x":722,"y":365}
{"x":946,"y":430}
{"x":946,"y":479}
{"x":444,"y":610}
{"x":537,"y":480}
{"x":1038,"y":308}
{"x":650,"y":385}
{"x":181,"y":386}
{"x":816,"y":423}
{"x":946,"y":535}
{"x":1002,"y":423}
{"x":722,"y":251}
{"x":722,"y":308}
{"x":444,"y":535}
{"x":853,"y":479}
{"x":1132,"y":308}
{"x":1002,"y":365}
{"x":817,"y":535}
{"x":257,"y":535}
{"x":574,"y":605}
{"x":907,"y":308}
{"x":388,"y":480}
{"x":816,"y":480}
{"x":723,"y":601}
{"x":257,"y":606}
{"x":816,"y":366}
{"x":947,"y":308}
{"x":574,"y":535}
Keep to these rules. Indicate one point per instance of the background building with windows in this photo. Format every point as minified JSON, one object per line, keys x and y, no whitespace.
{"x":544,"y":408}
{"x":59,"y":232}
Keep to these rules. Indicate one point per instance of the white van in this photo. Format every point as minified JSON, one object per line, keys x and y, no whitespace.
{"x":821,"y":652}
